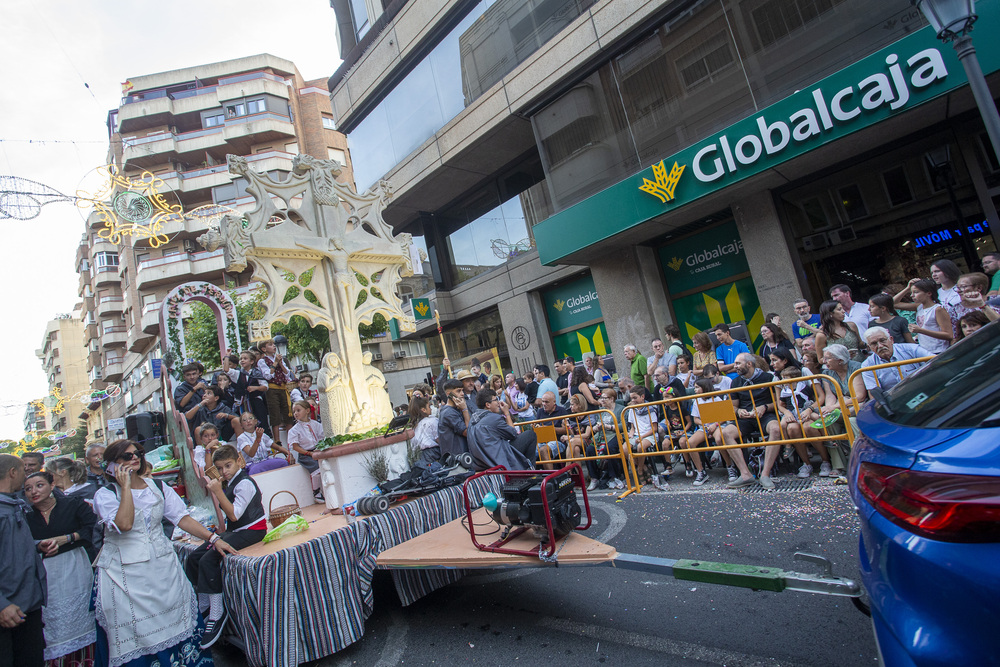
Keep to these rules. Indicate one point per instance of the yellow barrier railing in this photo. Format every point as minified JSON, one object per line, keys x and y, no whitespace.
{"x":720,"y":408}
{"x":876,"y":367}
{"x":580,"y":434}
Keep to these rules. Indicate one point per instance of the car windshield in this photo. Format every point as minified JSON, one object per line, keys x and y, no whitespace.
{"x":958,"y":389}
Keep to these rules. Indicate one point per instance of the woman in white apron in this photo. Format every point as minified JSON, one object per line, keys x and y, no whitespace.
{"x":68,"y":522}
{"x":146,"y":606}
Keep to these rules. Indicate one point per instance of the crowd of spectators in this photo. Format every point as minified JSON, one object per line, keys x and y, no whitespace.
{"x":897,"y":324}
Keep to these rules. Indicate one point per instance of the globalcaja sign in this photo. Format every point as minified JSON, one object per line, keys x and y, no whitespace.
{"x":703,"y":258}
{"x":572,"y":305}
{"x":910,"y":72}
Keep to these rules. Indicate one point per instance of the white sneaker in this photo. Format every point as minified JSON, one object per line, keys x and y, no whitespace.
{"x":825,"y":469}
{"x":592,"y":486}
{"x":701,"y":478}
{"x":660,"y":483}
{"x":734,"y":474}
{"x":805,"y":471}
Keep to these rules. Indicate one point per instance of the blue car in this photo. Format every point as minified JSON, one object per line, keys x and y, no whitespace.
{"x":925,"y":477}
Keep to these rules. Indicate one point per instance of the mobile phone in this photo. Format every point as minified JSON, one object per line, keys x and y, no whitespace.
{"x":111,"y":468}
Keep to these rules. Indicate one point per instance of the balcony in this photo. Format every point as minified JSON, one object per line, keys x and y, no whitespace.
{"x":236,"y":135}
{"x":114,"y":368}
{"x":107,"y":305}
{"x":179,"y":268}
{"x":156,"y":107}
{"x":151,"y":318}
{"x":138,"y":339}
{"x":113,"y":336}
{"x":106,"y":275}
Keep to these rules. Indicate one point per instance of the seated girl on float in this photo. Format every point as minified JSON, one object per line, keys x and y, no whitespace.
{"x":259,"y":450}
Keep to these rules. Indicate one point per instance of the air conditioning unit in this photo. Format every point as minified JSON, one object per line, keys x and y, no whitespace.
{"x":814,"y":242}
{"x":190,"y":246}
{"x":842,"y":235}
{"x":400,"y":354}
{"x":377,"y":356}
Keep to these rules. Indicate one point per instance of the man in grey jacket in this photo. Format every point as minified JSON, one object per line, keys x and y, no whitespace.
{"x":22,"y":588}
{"x":494,"y":441}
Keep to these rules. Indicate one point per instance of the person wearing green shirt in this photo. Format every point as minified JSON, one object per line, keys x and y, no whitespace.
{"x":638,"y":363}
{"x":991,"y":267}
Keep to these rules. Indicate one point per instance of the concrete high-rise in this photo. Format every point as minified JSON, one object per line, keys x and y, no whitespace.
{"x":179,"y":126}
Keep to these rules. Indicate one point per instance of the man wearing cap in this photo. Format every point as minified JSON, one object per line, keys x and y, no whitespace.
{"x":468,"y":381}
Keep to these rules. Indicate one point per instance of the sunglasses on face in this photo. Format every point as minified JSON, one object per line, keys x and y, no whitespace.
{"x":128,"y":456}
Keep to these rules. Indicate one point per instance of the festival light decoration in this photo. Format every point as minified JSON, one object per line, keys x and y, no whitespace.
{"x":131,"y":206}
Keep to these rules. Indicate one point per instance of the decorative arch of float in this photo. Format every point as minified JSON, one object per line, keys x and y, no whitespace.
{"x":171,"y":325}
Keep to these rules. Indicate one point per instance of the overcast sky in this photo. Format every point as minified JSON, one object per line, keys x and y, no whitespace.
{"x":50,"y":50}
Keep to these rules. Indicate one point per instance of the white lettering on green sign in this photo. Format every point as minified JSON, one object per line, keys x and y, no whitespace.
{"x":877,"y":90}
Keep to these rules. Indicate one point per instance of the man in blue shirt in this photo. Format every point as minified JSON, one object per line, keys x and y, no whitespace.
{"x":728,"y":350}
{"x":545,"y":383}
{"x":806,"y":325}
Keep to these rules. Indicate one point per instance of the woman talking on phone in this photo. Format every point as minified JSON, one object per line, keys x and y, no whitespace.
{"x":147,"y":611}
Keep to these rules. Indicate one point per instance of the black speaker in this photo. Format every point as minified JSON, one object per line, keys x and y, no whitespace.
{"x":146,"y":428}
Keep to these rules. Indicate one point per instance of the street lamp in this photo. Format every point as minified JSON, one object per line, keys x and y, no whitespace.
{"x":282,"y":344}
{"x":952,"y":20}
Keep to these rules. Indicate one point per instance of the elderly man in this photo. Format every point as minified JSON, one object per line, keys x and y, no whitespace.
{"x":660,"y":359}
{"x":23,"y":585}
{"x":856,"y":312}
{"x":468,"y":381}
{"x":886,"y":351}
{"x":637,"y":365}
{"x":755,"y":410}
{"x":494,"y":441}
{"x":95,"y":473}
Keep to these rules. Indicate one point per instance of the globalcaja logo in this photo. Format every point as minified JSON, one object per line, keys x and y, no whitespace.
{"x":558,"y":305}
{"x":665,"y":184}
{"x":422,"y":308}
{"x":676,"y":263}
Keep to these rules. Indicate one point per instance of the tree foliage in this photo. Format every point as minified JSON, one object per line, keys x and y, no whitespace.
{"x":77,"y":443}
{"x":201,"y":335}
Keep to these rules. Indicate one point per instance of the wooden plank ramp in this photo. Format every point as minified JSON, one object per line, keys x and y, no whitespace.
{"x":450,"y":547}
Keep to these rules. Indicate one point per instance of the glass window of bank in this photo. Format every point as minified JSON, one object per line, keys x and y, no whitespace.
{"x":490,"y":40}
{"x":920,"y":206}
{"x":699,"y":72}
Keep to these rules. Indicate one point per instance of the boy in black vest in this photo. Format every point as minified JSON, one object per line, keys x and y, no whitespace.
{"x":240,"y":500}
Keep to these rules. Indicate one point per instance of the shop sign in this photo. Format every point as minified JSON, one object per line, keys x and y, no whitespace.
{"x":910,"y":72}
{"x":572,"y":304}
{"x":949,"y":234}
{"x":592,"y":339}
{"x":703,"y":258}
{"x":732,"y":302}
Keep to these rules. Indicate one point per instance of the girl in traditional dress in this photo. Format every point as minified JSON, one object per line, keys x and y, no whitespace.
{"x":68,"y":521}
{"x":147,"y":611}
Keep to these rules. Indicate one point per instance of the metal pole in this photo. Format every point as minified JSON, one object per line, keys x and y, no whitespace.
{"x":977,"y":82}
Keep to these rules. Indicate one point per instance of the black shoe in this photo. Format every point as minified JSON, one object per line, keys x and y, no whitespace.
{"x":213,"y":630}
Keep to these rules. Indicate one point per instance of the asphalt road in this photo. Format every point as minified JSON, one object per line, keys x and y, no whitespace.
{"x":573,"y":616}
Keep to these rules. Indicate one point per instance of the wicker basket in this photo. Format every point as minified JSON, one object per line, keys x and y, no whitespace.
{"x":278,"y":515}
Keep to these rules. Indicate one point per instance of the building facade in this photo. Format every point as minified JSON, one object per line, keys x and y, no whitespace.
{"x":581,"y":174}
{"x":64,"y":362}
{"x":179,"y":126}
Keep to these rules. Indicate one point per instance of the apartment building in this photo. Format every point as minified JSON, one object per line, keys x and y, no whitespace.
{"x":64,"y":362}
{"x":581,"y":173}
{"x":180,"y":126}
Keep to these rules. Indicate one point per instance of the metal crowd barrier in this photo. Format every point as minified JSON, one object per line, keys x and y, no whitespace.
{"x":876,"y":367}
{"x":545,"y":430}
{"x":718,"y":408}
